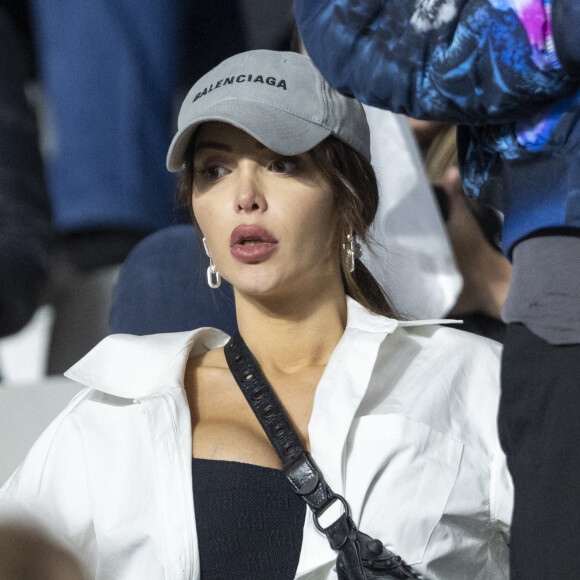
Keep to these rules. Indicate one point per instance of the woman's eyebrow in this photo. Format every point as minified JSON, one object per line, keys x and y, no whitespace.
{"x":211,"y":145}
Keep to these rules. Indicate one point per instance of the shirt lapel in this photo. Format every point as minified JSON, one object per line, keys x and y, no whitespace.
{"x":338,"y":396}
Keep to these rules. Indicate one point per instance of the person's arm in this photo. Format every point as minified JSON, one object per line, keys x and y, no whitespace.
{"x":486,"y":271}
{"x":462,"y":61}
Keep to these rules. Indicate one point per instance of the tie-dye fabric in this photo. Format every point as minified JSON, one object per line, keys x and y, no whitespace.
{"x":536,"y":18}
{"x":489,"y":65}
{"x":459,"y":61}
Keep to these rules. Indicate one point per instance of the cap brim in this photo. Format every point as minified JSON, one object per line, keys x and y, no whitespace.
{"x":275,"y":128}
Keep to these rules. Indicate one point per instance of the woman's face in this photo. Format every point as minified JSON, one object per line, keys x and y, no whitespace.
{"x":270,"y":221}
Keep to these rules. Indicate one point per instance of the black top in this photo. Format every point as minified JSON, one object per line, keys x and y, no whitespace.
{"x":249,"y":521}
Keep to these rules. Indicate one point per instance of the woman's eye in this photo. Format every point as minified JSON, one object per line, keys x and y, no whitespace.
{"x":285,"y":165}
{"x":212,"y":173}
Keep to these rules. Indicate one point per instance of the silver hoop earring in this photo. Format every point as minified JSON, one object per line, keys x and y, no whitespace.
{"x":214,"y":279}
{"x":352,"y":250}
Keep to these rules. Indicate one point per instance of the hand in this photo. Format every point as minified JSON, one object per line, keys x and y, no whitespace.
{"x":486,"y":272}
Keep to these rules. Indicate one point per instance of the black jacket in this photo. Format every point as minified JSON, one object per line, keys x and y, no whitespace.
{"x":24,"y":206}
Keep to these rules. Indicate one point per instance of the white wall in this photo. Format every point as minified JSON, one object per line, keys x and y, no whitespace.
{"x":25,"y":411}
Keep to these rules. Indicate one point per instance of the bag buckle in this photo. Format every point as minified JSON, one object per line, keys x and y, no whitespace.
{"x":331,"y":502}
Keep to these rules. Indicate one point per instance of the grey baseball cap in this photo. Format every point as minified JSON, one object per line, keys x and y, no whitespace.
{"x":279,"y":98}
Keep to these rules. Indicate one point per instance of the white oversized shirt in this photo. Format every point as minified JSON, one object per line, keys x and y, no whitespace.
{"x":403,"y":426}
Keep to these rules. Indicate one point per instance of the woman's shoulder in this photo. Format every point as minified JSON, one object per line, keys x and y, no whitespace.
{"x":204,"y":371}
{"x":137,"y":366}
{"x":445,"y":359}
{"x":210,"y":359}
{"x":441,"y":377}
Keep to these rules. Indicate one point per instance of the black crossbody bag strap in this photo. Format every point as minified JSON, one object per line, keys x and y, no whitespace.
{"x":360,"y":557}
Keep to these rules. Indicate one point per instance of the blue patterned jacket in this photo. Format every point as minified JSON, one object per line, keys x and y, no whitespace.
{"x":489,"y":66}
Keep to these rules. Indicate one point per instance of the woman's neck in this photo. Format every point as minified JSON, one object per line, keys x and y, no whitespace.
{"x":294,"y":333}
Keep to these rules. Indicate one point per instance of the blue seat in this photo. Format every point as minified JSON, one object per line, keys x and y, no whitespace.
{"x":162,"y":287}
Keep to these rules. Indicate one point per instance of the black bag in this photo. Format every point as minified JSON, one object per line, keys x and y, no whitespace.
{"x":360,"y":557}
{"x":363,"y":558}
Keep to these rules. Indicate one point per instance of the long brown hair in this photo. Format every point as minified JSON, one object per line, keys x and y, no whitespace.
{"x":354,"y":183}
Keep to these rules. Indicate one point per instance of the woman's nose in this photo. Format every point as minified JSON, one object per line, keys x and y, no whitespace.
{"x":249,"y":191}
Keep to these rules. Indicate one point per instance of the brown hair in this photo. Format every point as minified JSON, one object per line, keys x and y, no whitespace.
{"x":354,"y":183}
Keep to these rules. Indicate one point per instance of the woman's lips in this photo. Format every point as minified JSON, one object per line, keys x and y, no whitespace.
{"x":252,"y":243}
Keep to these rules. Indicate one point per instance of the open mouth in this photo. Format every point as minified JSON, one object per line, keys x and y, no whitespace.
{"x":252,"y":243}
{"x":251,"y":235}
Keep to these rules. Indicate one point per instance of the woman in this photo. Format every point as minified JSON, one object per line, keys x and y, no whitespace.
{"x":400,"y":417}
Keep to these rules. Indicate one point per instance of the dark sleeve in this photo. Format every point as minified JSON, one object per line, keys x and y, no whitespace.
{"x":24,"y":208}
{"x":458,"y":61}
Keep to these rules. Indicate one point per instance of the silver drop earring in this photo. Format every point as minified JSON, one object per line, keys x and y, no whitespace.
{"x":353,"y":251}
{"x":214,"y":279}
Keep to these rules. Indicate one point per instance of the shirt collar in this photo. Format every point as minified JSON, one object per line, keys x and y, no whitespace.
{"x":131,"y":366}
